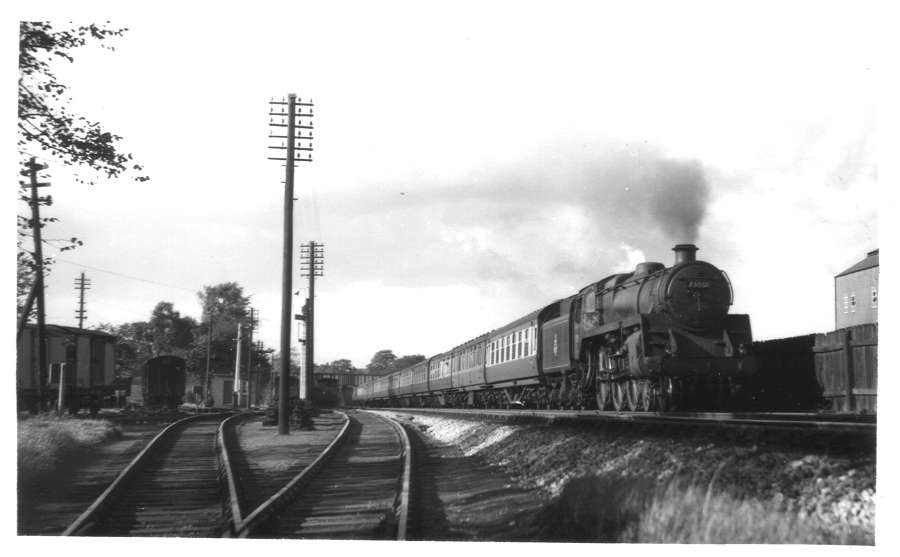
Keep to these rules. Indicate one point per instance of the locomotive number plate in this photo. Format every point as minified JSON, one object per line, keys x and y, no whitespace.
{"x":698,"y":284}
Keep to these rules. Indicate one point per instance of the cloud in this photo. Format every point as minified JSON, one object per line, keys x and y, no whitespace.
{"x":561,"y":217}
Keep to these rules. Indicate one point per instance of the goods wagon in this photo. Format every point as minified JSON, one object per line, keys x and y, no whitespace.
{"x":84,"y":359}
{"x":160,"y":384}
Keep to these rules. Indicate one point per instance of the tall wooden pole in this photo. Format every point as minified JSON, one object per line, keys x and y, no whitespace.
{"x":236,"y":398}
{"x":250,"y":359}
{"x":310,"y":321}
{"x":286,"y":275}
{"x":287,"y":269}
{"x":207,"y":381}
{"x":81,"y":284}
{"x":31,"y":172}
{"x":312,"y":267}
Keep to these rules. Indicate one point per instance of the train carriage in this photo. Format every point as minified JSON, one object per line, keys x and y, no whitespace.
{"x":419,"y":382}
{"x":380,"y":388}
{"x":405,"y":386}
{"x":439,"y":379}
{"x":511,"y":355}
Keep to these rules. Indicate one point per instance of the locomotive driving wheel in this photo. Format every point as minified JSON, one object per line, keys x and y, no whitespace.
{"x":664,"y":394}
{"x":645,"y":399}
{"x":604,"y":389}
{"x":618,"y":395}
{"x":631,"y":394}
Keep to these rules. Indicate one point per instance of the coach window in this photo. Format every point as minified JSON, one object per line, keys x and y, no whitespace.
{"x":508,"y":347}
{"x":853,"y":301}
{"x":846,"y":304}
{"x":519,"y":344}
{"x":527,"y":353}
{"x":874,"y":297}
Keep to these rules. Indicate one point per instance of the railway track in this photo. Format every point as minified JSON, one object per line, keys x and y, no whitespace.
{"x":863,"y":424}
{"x":171,"y":488}
{"x":49,"y":507}
{"x":816,"y":432}
{"x":358,"y":488}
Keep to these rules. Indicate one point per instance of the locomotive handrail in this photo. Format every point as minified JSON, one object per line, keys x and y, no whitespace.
{"x":276,"y":502}
{"x":86,"y":518}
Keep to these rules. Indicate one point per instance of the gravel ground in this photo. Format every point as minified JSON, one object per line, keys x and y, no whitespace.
{"x":743,"y":492}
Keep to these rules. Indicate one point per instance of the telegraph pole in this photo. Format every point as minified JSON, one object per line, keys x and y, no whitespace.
{"x":236,"y":399}
{"x":259,"y":356}
{"x":31,"y":171}
{"x":250,"y":357}
{"x":290,"y":159}
{"x":81,"y":284}
{"x":313,"y":266}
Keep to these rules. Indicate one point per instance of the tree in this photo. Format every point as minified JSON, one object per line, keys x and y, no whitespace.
{"x":46,"y":126}
{"x":406,"y":361}
{"x":45,"y":122}
{"x":171,"y":333}
{"x":134,"y":345}
{"x":224,"y":302}
{"x":381,"y":362}
{"x":337,"y":366}
{"x":224,"y":306}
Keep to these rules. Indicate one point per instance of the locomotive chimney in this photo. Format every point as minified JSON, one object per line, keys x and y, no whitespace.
{"x":685,"y":253}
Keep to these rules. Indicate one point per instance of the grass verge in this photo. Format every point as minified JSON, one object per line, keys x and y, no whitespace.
{"x":48,"y":445}
{"x":639,"y":510}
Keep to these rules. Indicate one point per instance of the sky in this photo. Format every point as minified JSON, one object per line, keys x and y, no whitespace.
{"x":473,"y":161}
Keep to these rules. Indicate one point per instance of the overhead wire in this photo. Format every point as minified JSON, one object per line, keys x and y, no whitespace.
{"x":124,"y":275}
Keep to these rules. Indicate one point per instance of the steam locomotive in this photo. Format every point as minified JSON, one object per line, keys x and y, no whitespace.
{"x":658,"y":338}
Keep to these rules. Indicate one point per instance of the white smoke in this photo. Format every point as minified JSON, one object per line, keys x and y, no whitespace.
{"x":632,"y":257}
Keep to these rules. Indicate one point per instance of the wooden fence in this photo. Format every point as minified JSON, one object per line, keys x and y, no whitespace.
{"x":847,"y":367}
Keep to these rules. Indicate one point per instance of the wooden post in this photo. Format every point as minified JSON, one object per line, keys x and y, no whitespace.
{"x":236,"y":399}
{"x":847,"y":361}
{"x":61,"y":399}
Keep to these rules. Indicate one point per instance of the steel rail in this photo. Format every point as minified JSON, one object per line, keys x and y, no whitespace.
{"x":227,"y":476}
{"x":286,"y":494}
{"x":86,"y":519}
{"x":401,"y":504}
{"x":778,"y":420}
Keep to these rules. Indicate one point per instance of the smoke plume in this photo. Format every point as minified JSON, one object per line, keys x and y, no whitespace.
{"x":562,"y":215}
